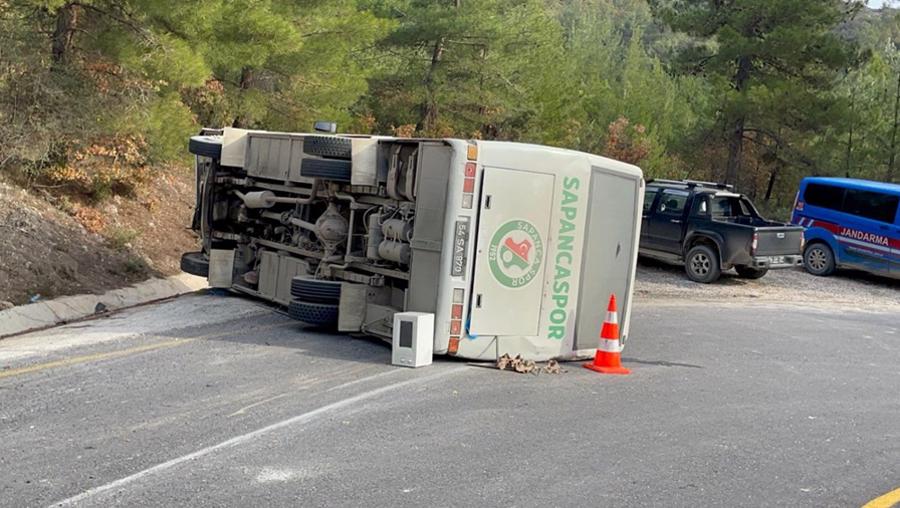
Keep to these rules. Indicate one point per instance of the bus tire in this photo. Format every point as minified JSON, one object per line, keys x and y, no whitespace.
{"x":206,"y":146}
{"x":195,"y":263}
{"x":818,"y":259}
{"x":332,"y":147}
{"x":327,"y":169}
{"x":316,"y":314}
{"x":308,"y":289}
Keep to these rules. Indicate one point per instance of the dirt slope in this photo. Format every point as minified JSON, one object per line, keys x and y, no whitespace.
{"x":50,"y":252}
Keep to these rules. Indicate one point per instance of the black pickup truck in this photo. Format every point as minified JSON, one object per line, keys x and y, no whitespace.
{"x":709,"y":228}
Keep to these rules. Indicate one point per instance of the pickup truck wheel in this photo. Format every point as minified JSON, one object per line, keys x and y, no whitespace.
{"x":328,"y":169}
{"x":702,"y":265}
{"x":316,"y":314}
{"x":748,"y":272}
{"x":818,"y":259}
{"x":332,"y":147}
{"x":206,"y":146}
{"x":195,"y":263}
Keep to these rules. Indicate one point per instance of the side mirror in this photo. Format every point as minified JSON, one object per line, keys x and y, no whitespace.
{"x":322,"y":126}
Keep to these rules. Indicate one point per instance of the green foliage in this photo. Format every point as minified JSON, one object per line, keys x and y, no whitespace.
{"x":120,"y":238}
{"x":461,"y":68}
{"x":771,"y":61}
{"x":666,"y":86}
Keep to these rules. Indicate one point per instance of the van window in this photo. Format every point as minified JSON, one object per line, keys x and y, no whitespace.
{"x":824,"y":196}
{"x":871,"y":205}
{"x":862,"y":203}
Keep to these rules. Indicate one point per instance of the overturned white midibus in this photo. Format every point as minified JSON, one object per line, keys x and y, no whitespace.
{"x":514,"y":248}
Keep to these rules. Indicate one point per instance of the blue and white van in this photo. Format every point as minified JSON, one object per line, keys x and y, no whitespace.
{"x":852,"y":223}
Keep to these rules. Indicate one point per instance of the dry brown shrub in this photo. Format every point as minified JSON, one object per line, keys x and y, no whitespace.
{"x":107,"y":166}
{"x":404,"y":131}
{"x":90,"y":218}
{"x":626,"y":142}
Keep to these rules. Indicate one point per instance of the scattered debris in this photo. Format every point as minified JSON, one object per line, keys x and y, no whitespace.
{"x":552,"y":367}
{"x":522,"y":366}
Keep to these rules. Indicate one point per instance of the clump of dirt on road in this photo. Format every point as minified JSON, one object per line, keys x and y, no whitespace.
{"x":850,"y":289}
{"x":56,"y":244}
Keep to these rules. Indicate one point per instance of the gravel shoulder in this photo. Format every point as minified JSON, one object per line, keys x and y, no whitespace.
{"x":658,"y":281}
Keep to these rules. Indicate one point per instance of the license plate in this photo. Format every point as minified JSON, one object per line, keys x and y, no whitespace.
{"x":775,"y":260}
{"x":460,"y":248}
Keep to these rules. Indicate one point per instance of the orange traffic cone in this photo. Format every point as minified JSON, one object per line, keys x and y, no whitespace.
{"x":607,"y":359}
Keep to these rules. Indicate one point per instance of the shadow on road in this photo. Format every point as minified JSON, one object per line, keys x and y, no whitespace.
{"x":661,"y":363}
{"x":276,"y":330}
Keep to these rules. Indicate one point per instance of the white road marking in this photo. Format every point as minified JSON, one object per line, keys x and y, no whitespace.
{"x":269,"y":475}
{"x":251,"y":406}
{"x":357,"y":381}
{"x":239,"y":440}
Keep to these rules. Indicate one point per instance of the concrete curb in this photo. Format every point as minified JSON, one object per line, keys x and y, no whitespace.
{"x":38,"y":315}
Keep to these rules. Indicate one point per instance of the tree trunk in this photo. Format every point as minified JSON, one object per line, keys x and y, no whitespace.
{"x":772,"y":178}
{"x":428,"y":109}
{"x":893,"y":157}
{"x":242,"y":120}
{"x":735,"y":150}
{"x":849,"y":161}
{"x":488,"y":129}
{"x":64,"y":33}
{"x":736,"y":134}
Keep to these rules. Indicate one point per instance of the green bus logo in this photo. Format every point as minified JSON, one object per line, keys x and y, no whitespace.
{"x":515,"y":253}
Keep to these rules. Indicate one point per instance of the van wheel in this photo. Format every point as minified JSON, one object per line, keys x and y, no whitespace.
{"x":818,"y":259}
{"x":702,"y":265}
{"x":748,"y":272}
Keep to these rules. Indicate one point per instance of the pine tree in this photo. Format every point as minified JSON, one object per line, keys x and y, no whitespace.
{"x":461,"y":67}
{"x":771,"y":60}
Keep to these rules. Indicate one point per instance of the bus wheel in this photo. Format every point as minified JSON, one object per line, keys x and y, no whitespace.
{"x":308,"y":289}
{"x":195,"y":263}
{"x":320,"y":315}
{"x":818,"y":259}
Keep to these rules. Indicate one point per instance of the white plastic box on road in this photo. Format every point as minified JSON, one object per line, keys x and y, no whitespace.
{"x":413,"y":343}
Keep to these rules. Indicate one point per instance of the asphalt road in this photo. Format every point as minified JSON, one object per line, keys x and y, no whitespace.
{"x":218,"y":401}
